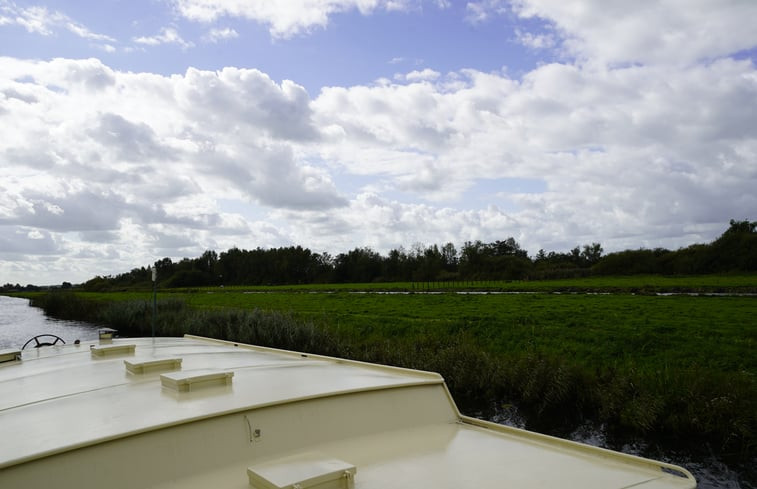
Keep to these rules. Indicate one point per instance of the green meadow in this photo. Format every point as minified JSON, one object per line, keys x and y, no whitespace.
{"x":563,"y":352}
{"x":631,"y":283}
{"x":593,"y":329}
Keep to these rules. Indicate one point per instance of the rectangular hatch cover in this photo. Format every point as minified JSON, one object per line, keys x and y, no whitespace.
{"x":192,"y":381}
{"x":111,"y":350}
{"x":10,"y":356}
{"x":309,"y":470}
{"x":151,"y":366}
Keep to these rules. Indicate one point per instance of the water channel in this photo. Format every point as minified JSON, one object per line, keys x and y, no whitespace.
{"x":19,"y":322}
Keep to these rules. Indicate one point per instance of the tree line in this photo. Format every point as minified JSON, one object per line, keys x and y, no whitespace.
{"x":734,"y":251}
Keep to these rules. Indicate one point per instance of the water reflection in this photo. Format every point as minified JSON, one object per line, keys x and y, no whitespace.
{"x":19,"y":322}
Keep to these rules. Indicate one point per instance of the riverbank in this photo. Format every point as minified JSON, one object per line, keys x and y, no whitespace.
{"x":682,"y":368}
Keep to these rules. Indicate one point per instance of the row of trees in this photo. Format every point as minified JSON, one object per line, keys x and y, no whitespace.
{"x":735,"y":250}
{"x":9,"y":287}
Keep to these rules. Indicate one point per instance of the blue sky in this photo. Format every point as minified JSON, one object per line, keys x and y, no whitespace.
{"x":139,"y":130}
{"x":352,"y":49}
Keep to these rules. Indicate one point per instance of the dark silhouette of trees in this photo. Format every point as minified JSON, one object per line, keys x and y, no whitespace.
{"x":504,"y":260}
{"x":590,"y":255}
{"x":575,"y":263}
{"x":359,"y":265}
{"x":734,"y":251}
{"x":275,"y":266}
{"x":631,"y":262}
{"x":9,"y":287}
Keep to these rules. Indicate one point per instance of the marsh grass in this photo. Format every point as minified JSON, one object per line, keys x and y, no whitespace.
{"x":640,"y":284}
{"x":675,"y":367}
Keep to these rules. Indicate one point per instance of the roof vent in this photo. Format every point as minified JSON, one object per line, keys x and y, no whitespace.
{"x":8,"y":356}
{"x":105,"y":335}
{"x":112,"y":350}
{"x":152,"y":366}
{"x":192,"y":381}
{"x":304,"y":471}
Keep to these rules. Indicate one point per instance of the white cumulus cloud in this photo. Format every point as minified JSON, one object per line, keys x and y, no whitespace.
{"x":129,"y":160}
{"x":167,"y":35}
{"x":648,"y":31}
{"x":218,"y":35}
{"x":40,"y":20}
{"x":286,"y":19}
{"x":621,"y":150}
{"x":483,"y":10}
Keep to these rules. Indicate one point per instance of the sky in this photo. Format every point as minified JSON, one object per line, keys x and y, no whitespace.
{"x":132,"y":130}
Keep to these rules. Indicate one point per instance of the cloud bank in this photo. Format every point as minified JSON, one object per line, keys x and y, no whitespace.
{"x":286,"y":19}
{"x":647,"y":31}
{"x":639,"y":140}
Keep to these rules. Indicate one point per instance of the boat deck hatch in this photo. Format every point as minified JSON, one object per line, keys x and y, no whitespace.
{"x":105,"y":335}
{"x":309,"y":470}
{"x":152,"y":366}
{"x":112,"y":350}
{"x":192,"y":381}
{"x":10,"y":356}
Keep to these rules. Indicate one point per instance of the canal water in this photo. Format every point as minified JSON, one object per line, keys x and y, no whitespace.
{"x":19,"y":322}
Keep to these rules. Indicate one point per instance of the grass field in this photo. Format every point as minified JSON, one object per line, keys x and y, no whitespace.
{"x":679,"y":365}
{"x":632,"y":283}
{"x":602,"y":330}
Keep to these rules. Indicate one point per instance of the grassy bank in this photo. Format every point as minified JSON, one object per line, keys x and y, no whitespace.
{"x":636,"y":284}
{"x":643,"y":284}
{"x":676,"y":366}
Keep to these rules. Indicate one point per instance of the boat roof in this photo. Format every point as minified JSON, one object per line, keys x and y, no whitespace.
{"x":398,"y":427}
{"x":64,"y":397}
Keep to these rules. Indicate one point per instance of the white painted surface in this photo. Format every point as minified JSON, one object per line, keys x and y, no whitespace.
{"x":84,"y":421}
